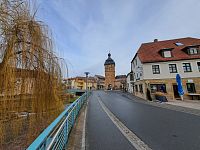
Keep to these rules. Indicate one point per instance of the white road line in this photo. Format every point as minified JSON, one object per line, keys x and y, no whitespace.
{"x":130,"y":136}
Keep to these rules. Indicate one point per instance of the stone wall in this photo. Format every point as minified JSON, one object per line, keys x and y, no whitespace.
{"x":109,"y":75}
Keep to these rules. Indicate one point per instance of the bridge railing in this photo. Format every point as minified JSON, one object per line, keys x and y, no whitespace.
{"x":55,"y":136}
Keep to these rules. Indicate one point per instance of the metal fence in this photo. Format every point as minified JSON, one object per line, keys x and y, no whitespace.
{"x":55,"y":136}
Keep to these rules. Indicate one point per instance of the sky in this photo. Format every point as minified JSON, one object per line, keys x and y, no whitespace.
{"x":85,"y":31}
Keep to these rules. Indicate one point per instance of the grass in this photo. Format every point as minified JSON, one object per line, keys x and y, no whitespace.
{"x":71,"y":100}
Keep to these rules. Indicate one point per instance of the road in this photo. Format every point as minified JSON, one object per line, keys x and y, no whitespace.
{"x":159,"y":128}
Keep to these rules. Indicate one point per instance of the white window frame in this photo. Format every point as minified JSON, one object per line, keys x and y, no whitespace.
{"x":193,"y":51}
{"x":167,"y":54}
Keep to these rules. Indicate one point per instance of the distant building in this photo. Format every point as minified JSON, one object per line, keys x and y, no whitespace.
{"x":111,"y":81}
{"x":129,"y":82}
{"x":92,"y":83}
{"x":100,"y":82}
{"x":156,"y":64}
{"x":80,"y":83}
{"x":120,"y":82}
{"x":109,"y":73}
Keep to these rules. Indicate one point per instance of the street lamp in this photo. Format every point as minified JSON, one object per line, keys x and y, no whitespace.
{"x":87,"y":73}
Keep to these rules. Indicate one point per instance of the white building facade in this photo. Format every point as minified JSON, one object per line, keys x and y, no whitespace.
{"x":156,"y":65}
{"x":129,"y":81}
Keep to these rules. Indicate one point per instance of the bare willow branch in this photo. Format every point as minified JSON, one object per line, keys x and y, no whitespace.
{"x":30,"y":76}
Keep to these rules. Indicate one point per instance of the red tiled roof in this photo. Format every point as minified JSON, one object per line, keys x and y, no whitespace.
{"x":149,"y":52}
{"x":120,"y":77}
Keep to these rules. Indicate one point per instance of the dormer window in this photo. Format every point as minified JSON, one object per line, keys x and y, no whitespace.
{"x":193,"y":51}
{"x":167,"y":54}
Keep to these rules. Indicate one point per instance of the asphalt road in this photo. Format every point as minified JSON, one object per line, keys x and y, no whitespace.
{"x":159,"y":128}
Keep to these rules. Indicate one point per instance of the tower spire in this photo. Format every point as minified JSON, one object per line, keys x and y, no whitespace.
{"x":109,"y":55}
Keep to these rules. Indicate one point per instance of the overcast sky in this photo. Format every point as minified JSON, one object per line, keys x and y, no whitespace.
{"x":85,"y":31}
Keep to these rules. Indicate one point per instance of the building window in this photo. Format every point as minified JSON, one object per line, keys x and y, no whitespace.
{"x":155,"y":69}
{"x":158,"y":88}
{"x":187,"y":67}
{"x":138,"y":76}
{"x":141,"y":88}
{"x":193,"y":51}
{"x":172,"y":68}
{"x":198,"y":64}
{"x":136,"y":88}
{"x":167,"y":54}
{"x":190,"y":87}
{"x":131,"y":76}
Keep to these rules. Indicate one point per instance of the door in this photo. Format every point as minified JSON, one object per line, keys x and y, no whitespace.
{"x":109,"y":87}
{"x":175,"y":88}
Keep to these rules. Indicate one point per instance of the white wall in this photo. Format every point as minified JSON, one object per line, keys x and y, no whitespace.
{"x":129,"y":85}
{"x":164,"y":69}
{"x":137,"y":69}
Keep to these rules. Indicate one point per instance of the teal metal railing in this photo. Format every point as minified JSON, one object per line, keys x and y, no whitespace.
{"x":55,"y":136}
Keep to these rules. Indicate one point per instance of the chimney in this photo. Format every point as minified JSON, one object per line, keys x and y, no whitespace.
{"x":155,"y":40}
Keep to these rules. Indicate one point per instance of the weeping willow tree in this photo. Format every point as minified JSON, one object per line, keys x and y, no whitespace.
{"x":30,"y":75}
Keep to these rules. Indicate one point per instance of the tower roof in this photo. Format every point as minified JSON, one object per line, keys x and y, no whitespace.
{"x":109,"y":61}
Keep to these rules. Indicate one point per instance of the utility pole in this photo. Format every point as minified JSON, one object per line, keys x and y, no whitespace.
{"x":87,"y":73}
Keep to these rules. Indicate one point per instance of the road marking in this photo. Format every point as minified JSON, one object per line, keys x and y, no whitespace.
{"x":130,"y":136}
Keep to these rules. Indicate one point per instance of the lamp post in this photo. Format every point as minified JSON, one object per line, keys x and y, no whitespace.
{"x":87,"y":73}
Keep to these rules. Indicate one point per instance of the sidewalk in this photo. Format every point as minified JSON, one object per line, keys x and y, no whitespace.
{"x":194,"y":104}
{"x":186,"y":106}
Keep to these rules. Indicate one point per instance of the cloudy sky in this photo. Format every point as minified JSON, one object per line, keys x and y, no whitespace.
{"x":85,"y":31}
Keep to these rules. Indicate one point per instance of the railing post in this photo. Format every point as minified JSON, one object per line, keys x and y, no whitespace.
{"x":73,"y":116}
{"x":66,"y":129}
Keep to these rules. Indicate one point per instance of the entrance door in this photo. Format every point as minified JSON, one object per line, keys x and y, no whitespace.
{"x":175,"y":88}
{"x":109,"y":87}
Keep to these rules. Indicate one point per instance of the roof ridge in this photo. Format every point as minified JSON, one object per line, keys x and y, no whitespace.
{"x":171,"y":40}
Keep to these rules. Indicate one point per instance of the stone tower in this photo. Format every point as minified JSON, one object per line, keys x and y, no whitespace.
{"x":109,"y":73}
